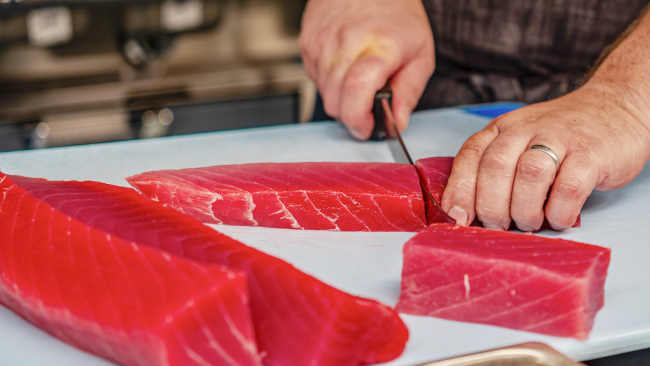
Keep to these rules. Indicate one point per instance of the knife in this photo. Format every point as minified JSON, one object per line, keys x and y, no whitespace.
{"x":385,"y":129}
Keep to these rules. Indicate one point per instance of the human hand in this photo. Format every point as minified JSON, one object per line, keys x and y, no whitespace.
{"x":599,"y":135}
{"x":350,"y":48}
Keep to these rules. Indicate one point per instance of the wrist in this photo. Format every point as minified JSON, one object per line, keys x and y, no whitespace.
{"x":616,"y":92}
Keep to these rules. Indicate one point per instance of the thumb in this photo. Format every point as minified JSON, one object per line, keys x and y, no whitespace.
{"x":408,"y":85}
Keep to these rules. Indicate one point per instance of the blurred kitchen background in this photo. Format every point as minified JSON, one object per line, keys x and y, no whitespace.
{"x":86,"y":71}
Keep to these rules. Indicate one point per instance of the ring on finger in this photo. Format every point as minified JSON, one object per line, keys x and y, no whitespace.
{"x":548,"y":151}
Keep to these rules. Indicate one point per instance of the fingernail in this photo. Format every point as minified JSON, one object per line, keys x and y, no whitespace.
{"x":403,"y":120}
{"x":461,"y":216}
{"x":493,"y":227}
{"x":356,"y":133}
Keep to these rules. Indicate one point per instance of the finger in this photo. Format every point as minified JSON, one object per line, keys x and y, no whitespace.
{"x":574,"y":183}
{"x":334,"y":60}
{"x":459,"y":196}
{"x":496,"y":174}
{"x":534,"y":176}
{"x":332,"y":84}
{"x":308,"y":60}
{"x":364,"y":78}
{"x":311,"y":44}
{"x":338,"y":58}
{"x":316,"y":40}
{"x":408,"y":85}
{"x":332,"y":65}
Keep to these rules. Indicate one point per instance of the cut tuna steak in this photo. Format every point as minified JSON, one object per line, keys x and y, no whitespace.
{"x":133,"y":305}
{"x":314,"y":196}
{"x":436,"y":172}
{"x":298,"y":320}
{"x":519,"y":281}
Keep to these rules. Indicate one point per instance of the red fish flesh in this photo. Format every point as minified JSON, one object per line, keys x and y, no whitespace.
{"x":130,"y":304}
{"x":297,"y":319}
{"x":314,"y":196}
{"x":435,"y":172}
{"x":519,"y":281}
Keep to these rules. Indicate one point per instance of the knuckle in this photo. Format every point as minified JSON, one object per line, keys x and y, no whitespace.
{"x":356,"y":79}
{"x":570,"y":189}
{"x":470,"y":152}
{"x":460,"y":187}
{"x":477,"y":137}
{"x":493,"y":127}
{"x":496,"y":161}
{"x":532,"y":170}
{"x":517,"y":116}
{"x":348,"y":33}
{"x":320,"y":40}
{"x":353,"y":80}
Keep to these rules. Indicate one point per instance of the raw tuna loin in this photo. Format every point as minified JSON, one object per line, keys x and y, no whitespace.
{"x":298,"y":320}
{"x":436,"y":172}
{"x":519,"y":281}
{"x":313,"y":196}
{"x":133,"y":305}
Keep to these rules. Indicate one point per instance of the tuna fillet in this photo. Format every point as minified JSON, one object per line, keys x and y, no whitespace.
{"x":298,"y":320}
{"x":133,"y":305}
{"x":435,"y":172}
{"x":519,"y":281}
{"x":313,"y":196}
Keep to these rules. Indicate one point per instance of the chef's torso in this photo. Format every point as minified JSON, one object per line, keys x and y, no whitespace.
{"x":525,"y":50}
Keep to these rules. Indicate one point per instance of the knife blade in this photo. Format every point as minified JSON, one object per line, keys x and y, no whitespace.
{"x":385,"y":129}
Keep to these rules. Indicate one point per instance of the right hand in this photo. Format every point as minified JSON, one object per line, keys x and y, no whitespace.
{"x":350,"y":48}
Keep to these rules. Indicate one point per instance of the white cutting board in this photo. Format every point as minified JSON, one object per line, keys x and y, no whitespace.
{"x":364,"y":264}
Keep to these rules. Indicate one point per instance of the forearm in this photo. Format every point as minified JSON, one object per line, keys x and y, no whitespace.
{"x":623,"y":71}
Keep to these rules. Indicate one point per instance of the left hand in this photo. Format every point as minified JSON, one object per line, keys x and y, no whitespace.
{"x":598,"y":134}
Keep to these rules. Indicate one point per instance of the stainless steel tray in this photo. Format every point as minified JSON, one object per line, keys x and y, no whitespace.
{"x":526,"y":354}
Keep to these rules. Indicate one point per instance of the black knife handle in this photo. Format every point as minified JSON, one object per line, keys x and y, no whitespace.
{"x":380,"y":131}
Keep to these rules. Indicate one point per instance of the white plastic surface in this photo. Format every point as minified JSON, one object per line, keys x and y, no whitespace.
{"x":364,"y":264}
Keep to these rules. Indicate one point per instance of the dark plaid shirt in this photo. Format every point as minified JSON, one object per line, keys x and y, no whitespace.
{"x":518,"y":50}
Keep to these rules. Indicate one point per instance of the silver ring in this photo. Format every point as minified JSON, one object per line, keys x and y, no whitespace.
{"x":548,"y":151}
